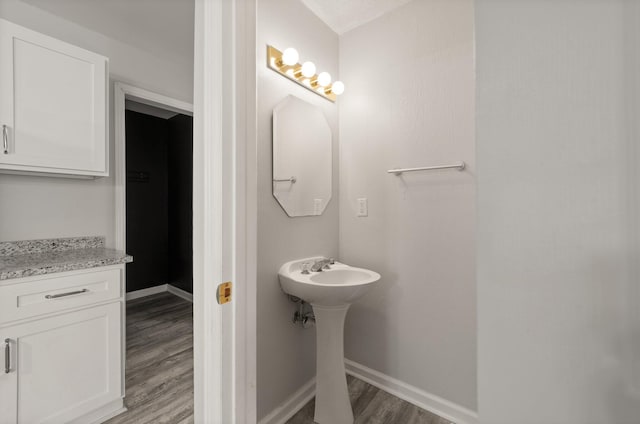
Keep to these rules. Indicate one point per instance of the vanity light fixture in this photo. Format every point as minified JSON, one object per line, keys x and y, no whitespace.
{"x":308,"y":69}
{"x":338,"y":87}
{"x":290,"y":57}
{"x":286,"y":63}
{"x":324,"y":79}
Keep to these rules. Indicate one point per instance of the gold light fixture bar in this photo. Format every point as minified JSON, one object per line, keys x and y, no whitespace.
{"x":294,"y":73}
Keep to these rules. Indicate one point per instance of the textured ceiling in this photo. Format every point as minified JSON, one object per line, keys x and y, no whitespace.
{"x":345,"y":15}
{"x":161,"y":27}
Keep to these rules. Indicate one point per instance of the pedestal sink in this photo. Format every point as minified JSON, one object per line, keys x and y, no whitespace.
{"x":330,"y":292}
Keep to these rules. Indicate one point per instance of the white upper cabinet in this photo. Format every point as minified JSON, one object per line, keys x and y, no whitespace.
{"x":53,"y":105}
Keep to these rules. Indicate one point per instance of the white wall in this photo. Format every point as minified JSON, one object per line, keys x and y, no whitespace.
{"x":558,"y":208}
{"x":40,"y":207}
{"x":409,"y":102}
{"x":286,"y":353}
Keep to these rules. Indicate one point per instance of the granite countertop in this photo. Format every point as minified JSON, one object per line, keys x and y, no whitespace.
{"x":38,"y":257}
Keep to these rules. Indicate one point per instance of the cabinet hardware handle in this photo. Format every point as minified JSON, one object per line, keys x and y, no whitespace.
{"x":291,"y":180}
{"x":5,"y":139}
{"x":55,"y":296}
{"x":7,"y":356}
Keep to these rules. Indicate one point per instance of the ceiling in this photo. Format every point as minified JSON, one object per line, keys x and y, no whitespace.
{"x":165,"y":27}
{"x":161,"y":27}
{"x":344,"y":15}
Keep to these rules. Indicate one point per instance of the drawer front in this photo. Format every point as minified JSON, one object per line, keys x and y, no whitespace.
{"x":33,"y":298}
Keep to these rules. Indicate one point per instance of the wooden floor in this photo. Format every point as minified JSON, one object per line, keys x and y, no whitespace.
{"x":159,"y":373}
{"x":374,"y":406}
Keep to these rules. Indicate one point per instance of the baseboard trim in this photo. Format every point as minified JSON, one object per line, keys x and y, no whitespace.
{"x":160,"y":289}
{"x":146,"y":292}
{"x":432,"y":403}
{"x":102,"y":414}
{"x":293,"y":404}
{"x":180,"y":293}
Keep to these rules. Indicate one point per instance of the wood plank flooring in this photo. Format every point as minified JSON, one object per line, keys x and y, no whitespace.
{"x":374,"y":406}
{"x":159,"y":371}
{"x":159,"y":374}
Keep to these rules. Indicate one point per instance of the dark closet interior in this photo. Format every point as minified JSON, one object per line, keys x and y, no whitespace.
{"x":159,"y":157}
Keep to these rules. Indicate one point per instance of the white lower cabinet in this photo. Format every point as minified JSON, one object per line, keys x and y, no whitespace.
{"x":60,"y":368}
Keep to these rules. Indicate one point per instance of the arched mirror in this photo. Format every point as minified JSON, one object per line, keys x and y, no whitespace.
{"x":301,"y":157}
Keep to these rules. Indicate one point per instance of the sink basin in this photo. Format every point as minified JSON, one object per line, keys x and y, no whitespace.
{"x":340,"y":285}
{"x":330,"y":292}
{"x":342,"y":276}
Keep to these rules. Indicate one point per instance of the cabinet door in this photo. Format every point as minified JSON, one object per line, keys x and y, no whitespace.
{"x":53,"y":104}
{"x":62,"y":367}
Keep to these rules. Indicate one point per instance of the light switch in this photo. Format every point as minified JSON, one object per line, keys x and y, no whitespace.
{"x":363,"y":207}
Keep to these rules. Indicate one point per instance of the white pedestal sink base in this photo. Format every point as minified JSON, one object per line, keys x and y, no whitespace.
{"x":330,"y":292}
{"x":332,"y":396}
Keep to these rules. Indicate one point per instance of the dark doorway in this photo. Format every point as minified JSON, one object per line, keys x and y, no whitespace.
{"x":159,"y":198}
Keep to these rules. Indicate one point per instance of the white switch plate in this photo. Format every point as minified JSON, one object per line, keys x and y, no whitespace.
{"x":317,"y":206}
{"x":363,"y":207}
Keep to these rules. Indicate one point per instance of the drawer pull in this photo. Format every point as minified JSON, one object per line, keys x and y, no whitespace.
{"x":7,"y":356}
{"x":56,"y":296}
{"x":5,"y":139}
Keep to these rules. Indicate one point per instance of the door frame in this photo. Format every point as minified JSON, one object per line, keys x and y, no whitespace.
{"x":123,"y":92}
{"x":225,"y":105}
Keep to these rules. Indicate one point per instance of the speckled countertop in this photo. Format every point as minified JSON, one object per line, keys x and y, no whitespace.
{"x":37,"y":257}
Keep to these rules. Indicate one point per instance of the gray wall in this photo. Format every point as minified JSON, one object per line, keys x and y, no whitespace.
{"x":286,"y":353}
{"x":159,"y":205}
{"x":558,"y":207}
{"x":147,"y":200}
{"x":412,"y":106}
{"x":181,"y":202}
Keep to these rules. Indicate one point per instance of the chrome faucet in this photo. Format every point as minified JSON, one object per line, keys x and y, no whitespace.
{"x":321,"y":264}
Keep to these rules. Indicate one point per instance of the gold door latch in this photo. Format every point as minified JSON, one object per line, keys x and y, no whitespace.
{"x":224,"y":293}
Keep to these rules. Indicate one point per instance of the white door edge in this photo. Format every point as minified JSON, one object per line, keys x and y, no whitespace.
{"x":246,"y":211}
{"x":216,"y":215}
